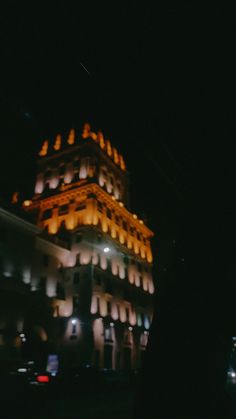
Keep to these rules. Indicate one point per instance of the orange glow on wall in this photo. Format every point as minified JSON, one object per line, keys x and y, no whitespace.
{"x":44,"y":149}
{"x":71,"y":137}
{"x":57,"y":144}
{"x":70,"y":222}
{"x":115,"y":154}
{"x":122,"y":163}
{"x":86,"y":130}
{"x":93,"y":135}
{"x":109,"y":149}
{"x":15,"y":198}
{"x":149,"y":255}
{"x":100,"y":139}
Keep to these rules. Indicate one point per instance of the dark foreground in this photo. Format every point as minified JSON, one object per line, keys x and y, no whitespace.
{"x":112,"y":399}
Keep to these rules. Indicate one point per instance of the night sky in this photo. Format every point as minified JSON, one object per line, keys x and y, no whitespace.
{"x":157,"y":81}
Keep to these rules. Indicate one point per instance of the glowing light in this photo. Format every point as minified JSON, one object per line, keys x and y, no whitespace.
{"x":43,"y":379}
{"x":130,"y":328}
{"x":113,"y":197}
{"x":27,"y":203}
{"x":22,"y":335}
{"x":112,"y":324}
{"x":121,"y":204}
{"x":22,"y":370}
{"x":135,"y":216}
{"x":106,"y":250}
{"x":73,"y":321}
{"x":141,"y":221}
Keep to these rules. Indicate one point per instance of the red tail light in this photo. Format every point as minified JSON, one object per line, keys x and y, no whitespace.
{"x":43,"y":379}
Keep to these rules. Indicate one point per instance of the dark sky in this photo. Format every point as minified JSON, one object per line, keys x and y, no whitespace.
{"x":159,"y":83}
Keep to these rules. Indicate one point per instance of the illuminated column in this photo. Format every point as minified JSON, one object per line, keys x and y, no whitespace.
{"x":39,"y":186}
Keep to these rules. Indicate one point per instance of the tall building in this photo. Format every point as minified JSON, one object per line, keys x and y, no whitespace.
{"x":104,"y":311}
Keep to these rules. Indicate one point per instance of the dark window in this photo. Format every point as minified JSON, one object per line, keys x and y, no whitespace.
{"x":118,"y":311}
{"x":75,"y":304}
{"x":47,"y":175}
{"x":42,"y":283}
{"x":63,"y":209}
{"x":99,"y":238}
{"x":126,"y":259}
{"x":108,"y":213}
{"x":125,"y":225}
{"x":99,"y":205}
{"x":61,"y":170}
{"x":45,"y":260}
{"x":76,"y":278}
{"x":60,"y":291}
{"x":108,"y":356}
{"x":74,"y":328}
{"x":98,"y":280}
{"x":131,"y":230}
{"x":108,"y":307}
{"x":117,"y":218}
{"x":78,"y":238}
{"x":98,"y":304}
{"x":47,"y":214}
{"x":127,"y":313}
{"x":138,"y":235}
{"x":81,"y":207}
{"x":139,"y":266}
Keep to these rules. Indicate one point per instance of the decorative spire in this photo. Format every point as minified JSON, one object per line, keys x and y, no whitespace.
{"x":86,"y":130}
{"x":115,"y":154}
{"x":44,"y":149}
{"x":15,"y":198}
{"x":57,"y":144}
{"x":122,"y":163}
{"x":109,"y":149}
{"x":100,"y":139}
{"x":71,"y":137}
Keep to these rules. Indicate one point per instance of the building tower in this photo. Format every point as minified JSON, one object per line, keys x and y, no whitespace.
{"x":82,"y":196}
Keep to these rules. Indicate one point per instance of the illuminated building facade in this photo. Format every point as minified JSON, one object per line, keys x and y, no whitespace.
{"x":81,"y":196}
